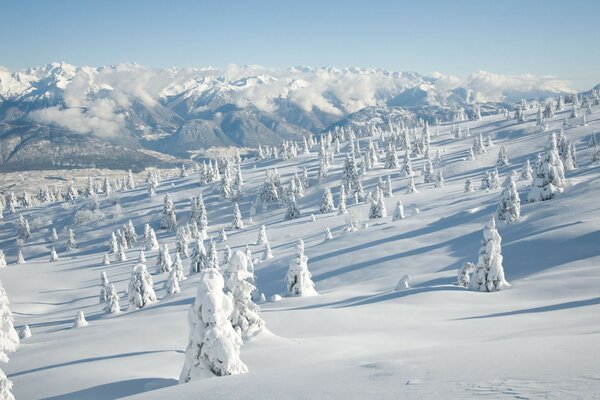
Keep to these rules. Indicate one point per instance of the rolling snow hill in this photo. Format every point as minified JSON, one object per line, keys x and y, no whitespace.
{"x":538,"y":338}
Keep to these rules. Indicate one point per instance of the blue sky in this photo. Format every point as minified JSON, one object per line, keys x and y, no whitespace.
{"x":453,"y":37}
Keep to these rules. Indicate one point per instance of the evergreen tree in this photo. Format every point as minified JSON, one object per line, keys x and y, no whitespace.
{"x":342,"y":202}
{"x":199,"y":258}
{"x":213,"y":346}
{"x":172,"y":282}
{"x":327,"y":202}
{"x":140,"y":292}
{"x":23,"y":231}
{"x":377,"y":209}
{"x":20,"y":258}
{"x":71,"y":243}
{"x":526,"y":171}
{"x":428,"y":176}
{"x":468,"y":186}
{"x":121,"y":256}
{"x":328,"y":235}
{"x":502,"y":157}
{"x":54,"y":235}
{"x":141,"y":257}
{"x":2,"y":259}
{"x":53,"y":255}
{"x":549,"y":176}
{"x":293,"y":211}
{"x":168,"y":218}
{"x":407,"y":166}
{"x":245,"y":317}
{"x":298,"y":279}
{"x":262,"y":236}
{"x":464,"y":274}
{"x":489,"y":273}
{"x":439,"y":179}
{"x":237,"y":222}
{"x":213,"y":256}
{"x":509,"y":209}
{"x":391,"y":157}
{"x":398,"y":211}
{"x":163,"y":260}
{"x":105,"y":259}
{"x":113,"y":305}
{"x":411,"y":188}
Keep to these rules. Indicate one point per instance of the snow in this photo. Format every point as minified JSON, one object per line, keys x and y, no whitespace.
{"x":359,"y":338}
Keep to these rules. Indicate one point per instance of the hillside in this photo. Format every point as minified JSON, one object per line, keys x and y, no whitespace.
{"x":359,"y":338}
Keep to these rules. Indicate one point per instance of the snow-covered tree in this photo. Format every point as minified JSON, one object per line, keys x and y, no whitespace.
{"x":140,"y":292}
{"x":113,"y":304}
{"x":20,"y":257}
{"x":121,"y":255}
{"x":54,"y":235}
{"x":377,"y":208}
{"x":267,"y":253}
{"x":71,"y":194}
{"x":391,"y":157}
{"x":105,"y":259}
{"x":71,"y":242}
{"x":407,"y":166}
{"x":298,"y":278}
{"x":245,"y":317}
{"x":226,"y":254}
{"x":80,"y":321}
{"x":9,"y":339}
{"x":237,"y":221}
{"x":526,"y":171}
{"x":398,"y":211}
{"x":130,"y":234}
{"x":464,"y":274}
{"x":549,"y":176}
{"x":262,"y":235}
{"x":468,"y":186}
{"x":23,"y":231}
{"x":172,"y":282}
{"x":342,"y":201}
{"x":213,"y":346}
{"x":213,"y":256}
{"x":509,"y":209}
{"x":2,"y":259}
{"x":439,"y":179}
{"x":104,"y":283}
{"x":327,"y":202}
{"x":328,"y":235}
{"x":168,"y":219}
{"x":199,"y":258}
{"x":410,"y":187}
{"x":151,"y":244}
{"x":53,"y":255}
{"x":293,"y":211}
{"x":141,"y":257}
{"x":489,"y":273}
{"x":163,"y":260}
{"x":177,"y":266}
{"x":428,"y":176}
{"x":502,"y":157}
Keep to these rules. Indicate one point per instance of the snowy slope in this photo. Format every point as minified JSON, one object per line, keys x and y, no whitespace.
{"x":358,"y":338}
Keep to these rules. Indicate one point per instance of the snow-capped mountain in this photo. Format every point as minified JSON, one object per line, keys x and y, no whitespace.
{"x":132,"y":107}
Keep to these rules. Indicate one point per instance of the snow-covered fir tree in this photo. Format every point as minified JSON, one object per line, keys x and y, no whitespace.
{"x":105,"y":259}
{"x":213,"y":345}
{"x":464,"y":274}
{"x":327,"y":202}
{"x":140,"y":292}
{"x":468,"y":186}
{"x":439,"y":179}
{"x":328,"y":235}
{"x":342,"y":201}
{"x":237,"y":222}
{"x":142,"y":257}
{"x":398,"y":211}
{"x":23,"y":230}
{"x":245,"y":317}
{"x":2,"y":259}
{"x":53,"y":255}
{"x":177,"y":266}
{"x":549,"y":177}
{"x":526,"y":171}
{"x":502,"y":157}
{"x":293,"y":211}
{"x":488,"y":275}
{"x":407,"y":166}
{"x":391,"y":157}
{"x":80,"y":321}
{"x":410,"y":187}
{"x":267,"y":253}
{"x":163,"y":260}
{"x":71,"y":242}
{"x":377,"y":208}
{"x":509,"y":209}
{"x":168,"y":219}
{"x":428,"y":175}
{"x":199,"y":258}
{"x":113,"y":304}
{"x":262,"y":235}
{"x":121,"y":255}
{"x":213,"y":256}
{"x":298,"y":279}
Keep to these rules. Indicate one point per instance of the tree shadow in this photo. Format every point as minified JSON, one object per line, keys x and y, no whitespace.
{"x":91,"y":359}
{"x":552,"y":307}
{"x":116,"y":390}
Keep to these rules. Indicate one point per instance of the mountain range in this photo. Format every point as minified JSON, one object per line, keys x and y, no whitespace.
{"x":130,"y":116}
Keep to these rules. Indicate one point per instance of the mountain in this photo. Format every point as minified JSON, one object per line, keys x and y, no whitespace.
{"x":176,"y":111}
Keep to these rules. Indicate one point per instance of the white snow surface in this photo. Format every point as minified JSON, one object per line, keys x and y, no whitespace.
{"x":359,"y":339}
